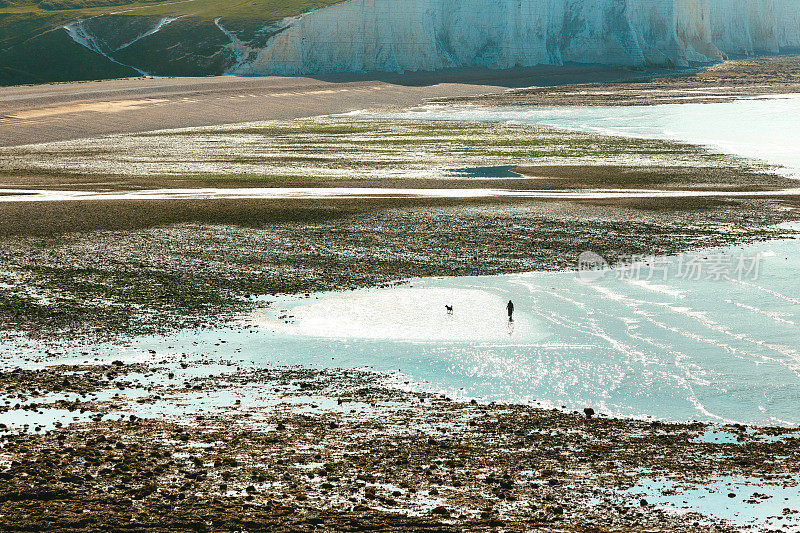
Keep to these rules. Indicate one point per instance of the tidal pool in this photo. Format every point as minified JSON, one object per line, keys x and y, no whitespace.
{"x":708,"y":342}
{"x":748,"y":503}
{"x":680,"y":338}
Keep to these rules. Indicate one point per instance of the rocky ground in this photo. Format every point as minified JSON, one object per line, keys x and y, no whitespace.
{"x":172,"y":444}
{"x":190,"y":273}
{"x":290,"y":449}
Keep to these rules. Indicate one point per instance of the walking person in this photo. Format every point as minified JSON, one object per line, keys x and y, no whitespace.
{"x":510,"y":308}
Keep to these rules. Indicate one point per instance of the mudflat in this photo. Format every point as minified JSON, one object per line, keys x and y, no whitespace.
{"x":718,"y":83}
{"x":75,"y":110}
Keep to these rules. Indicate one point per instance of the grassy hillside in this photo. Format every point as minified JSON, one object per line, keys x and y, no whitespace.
{"x":34,"y":48}
{"x":54,"y":56}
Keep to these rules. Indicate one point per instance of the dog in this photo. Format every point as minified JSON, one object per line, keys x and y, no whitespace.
{"x":449,"y":309}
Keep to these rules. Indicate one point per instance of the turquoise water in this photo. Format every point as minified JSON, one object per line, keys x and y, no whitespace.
{"x":680,"y":349}
{"x":675,"y":349}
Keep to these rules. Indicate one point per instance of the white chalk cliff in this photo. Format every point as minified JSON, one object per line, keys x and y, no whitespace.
{"x":411,"y":35}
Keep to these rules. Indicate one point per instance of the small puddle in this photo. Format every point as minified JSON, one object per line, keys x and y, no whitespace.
{"x":742,"y":501}
{"x":503,"y":171}
{"x":716,"y":436}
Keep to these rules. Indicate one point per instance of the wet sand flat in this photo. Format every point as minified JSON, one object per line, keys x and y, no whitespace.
{"x":290,"y":449}
{"x":342,"y":202}
{"x":44,"y":113}
{"x":723,"y":82}
{"x":35,"y":114}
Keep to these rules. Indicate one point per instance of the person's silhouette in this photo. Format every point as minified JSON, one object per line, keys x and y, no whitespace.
{"x":510,"y":308}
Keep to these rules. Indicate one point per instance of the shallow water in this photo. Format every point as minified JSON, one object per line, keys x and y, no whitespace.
{"x":677,"y":349}
{"x":765,"y":128}
{"x":501,"y":171}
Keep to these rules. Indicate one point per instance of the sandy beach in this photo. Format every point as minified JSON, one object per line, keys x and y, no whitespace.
{"x":63,"y":111}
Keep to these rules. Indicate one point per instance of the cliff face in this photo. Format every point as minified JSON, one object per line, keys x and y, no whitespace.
{"x":399,"y":35}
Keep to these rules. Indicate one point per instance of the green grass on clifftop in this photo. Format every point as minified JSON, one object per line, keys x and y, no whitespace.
{"x":32,"y":48}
